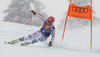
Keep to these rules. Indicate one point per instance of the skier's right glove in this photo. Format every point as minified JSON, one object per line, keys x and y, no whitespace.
{"x":50,"y":44}
{"x":33,"y":12}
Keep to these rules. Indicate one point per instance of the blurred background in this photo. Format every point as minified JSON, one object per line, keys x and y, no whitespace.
{"x":18,"y":11}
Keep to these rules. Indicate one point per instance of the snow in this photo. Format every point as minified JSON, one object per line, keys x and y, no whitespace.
{"x":72,"y":46}
{"x":75,"y":44}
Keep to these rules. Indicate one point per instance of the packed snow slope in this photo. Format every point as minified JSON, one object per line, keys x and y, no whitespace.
{"x":75,"y":44}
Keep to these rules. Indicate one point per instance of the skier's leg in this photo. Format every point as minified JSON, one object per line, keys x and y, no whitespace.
{"x":21,"y":39}
{"x":32,"y":41}
{"x":28,"y":42}
{"x":31,"y":36}
{"x":38,"y":38}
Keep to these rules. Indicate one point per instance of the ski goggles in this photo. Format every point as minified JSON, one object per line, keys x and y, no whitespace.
{"x":50,"y":23}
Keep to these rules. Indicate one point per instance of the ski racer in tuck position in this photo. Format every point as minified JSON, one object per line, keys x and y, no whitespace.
{"x":41,"y":35}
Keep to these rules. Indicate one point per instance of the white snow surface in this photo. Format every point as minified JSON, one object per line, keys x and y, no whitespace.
{"x":75,"y":44}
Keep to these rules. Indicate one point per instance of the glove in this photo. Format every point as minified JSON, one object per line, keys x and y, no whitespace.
{"x":50,"y":44}
{"x":33,"y":12}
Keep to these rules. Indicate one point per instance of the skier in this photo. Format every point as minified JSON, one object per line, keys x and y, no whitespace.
{"x":41,"y":35}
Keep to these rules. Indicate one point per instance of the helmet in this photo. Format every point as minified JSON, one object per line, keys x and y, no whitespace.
{"x":51,"y":19}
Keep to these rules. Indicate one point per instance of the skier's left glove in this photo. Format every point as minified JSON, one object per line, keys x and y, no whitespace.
{"x":50,"y":44}
{"x":33,"y":12}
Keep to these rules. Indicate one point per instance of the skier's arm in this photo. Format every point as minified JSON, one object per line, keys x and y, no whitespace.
{"x":39,"y":15}
{"x":52,"y":37}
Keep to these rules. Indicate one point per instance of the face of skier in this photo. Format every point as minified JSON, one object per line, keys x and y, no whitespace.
{"x":49,"y":23}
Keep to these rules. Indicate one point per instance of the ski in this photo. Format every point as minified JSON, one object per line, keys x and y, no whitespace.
{"x":11,"y":42}
{"x":14,"y":42}
{"x":25,"y":43}
{"x":5,"y":42}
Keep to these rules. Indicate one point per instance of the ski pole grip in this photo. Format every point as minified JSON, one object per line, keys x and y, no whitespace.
{"x":33,"y":12}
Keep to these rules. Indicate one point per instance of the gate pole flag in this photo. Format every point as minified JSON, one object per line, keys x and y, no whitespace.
{"x":82,"y":12}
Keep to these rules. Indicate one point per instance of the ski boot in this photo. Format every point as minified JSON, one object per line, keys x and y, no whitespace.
{"x":11,"y":42}
{"x":25,"y":43}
